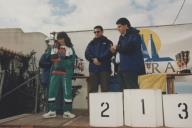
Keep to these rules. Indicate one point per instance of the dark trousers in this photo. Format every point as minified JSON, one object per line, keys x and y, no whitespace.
{"x":102,"y":78}
{"x":128,"y":80}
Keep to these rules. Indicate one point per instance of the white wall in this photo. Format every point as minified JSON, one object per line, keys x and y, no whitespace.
{"x":15,"y":39}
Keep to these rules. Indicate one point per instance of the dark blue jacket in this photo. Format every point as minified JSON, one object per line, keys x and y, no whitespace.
{"x":45,"y":63}
{"x":99,"y":48}
{"x":131,"y":57}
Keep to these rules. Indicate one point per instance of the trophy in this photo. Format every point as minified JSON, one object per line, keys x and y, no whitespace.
{"x":78,"y":67}
{"x":54,"y":47}
{"x":186,"y":61}
{"x":182,"y":60}
{"x":148,"y":66}
{"x":178,"y":61}
{"x":182,"y":54}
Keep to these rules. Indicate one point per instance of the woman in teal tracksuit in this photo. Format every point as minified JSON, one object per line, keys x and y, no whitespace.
{"x":61,"y":75}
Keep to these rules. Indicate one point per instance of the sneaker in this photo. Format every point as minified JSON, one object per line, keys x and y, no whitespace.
{"x":50,"y":114}
{"x":68,"y":115}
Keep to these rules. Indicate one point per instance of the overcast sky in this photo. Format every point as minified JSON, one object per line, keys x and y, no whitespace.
{"x":69,"y":15}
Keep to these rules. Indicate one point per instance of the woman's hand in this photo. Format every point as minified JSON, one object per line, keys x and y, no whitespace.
{"x":56,"y":60}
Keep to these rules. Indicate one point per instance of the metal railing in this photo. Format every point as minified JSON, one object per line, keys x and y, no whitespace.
{"x":2,"y":75}
{"x":36,"y":78}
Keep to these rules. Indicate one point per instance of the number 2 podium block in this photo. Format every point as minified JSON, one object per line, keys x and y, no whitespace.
{"x":178,"y":110}
{"x":143,"y":108}
{"x":106,"y":109}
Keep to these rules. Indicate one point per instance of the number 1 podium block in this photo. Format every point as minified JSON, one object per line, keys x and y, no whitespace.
{"x":178,"y":110}
{"x":106,"y":109}
{"x":143,"y":108}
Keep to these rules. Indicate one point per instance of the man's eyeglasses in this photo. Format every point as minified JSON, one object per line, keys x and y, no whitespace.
{"x":97,"y":32}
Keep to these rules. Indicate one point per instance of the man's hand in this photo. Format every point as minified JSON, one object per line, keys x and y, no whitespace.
{"x":96,"y":61}
{"x":113,"y":48}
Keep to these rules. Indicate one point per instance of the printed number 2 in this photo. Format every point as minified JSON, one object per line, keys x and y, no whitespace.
{"x":184,"y":110}
{"x":106,"y":108}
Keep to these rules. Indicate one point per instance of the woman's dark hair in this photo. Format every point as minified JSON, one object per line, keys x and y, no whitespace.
{"x":63,"y":35}
{"x":98,"y":27}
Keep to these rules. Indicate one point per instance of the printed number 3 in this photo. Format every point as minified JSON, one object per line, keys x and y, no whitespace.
{"x":184,"y":110}
{"x":106,"y":108}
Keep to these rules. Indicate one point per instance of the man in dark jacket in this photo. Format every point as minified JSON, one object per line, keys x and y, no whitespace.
{"x":45,"y":64}
{"x":131,"y":58}
{"x":99,"y":56}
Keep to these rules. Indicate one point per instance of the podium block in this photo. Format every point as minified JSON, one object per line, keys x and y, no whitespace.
{"x":106,"y":109}
{"x":143,"y":108}
{"x":178,"y":110}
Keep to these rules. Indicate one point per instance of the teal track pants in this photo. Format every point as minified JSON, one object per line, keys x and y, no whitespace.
{"x":54,"y":88}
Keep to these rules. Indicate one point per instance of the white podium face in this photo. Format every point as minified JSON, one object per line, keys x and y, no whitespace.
{"x":143,"y":108}
{"x":106,"y":109}
{"x":178,"y":110}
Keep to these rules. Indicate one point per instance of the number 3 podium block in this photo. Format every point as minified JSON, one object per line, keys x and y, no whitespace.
{"x":143,"y":108}
{"x":106,"y":109}
{"x":178,"y":110}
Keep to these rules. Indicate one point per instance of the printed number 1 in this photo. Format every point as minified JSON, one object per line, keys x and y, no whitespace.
{"x":143,"y":106}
